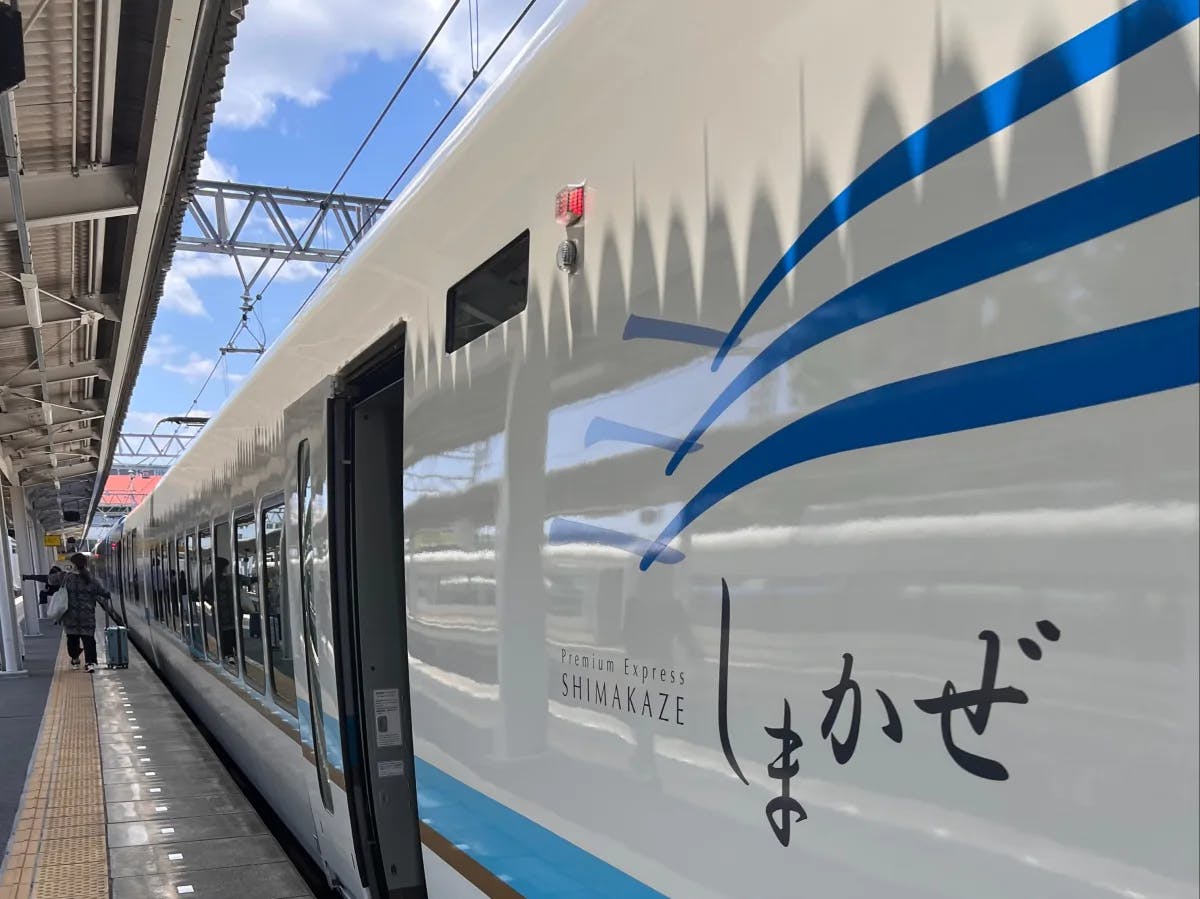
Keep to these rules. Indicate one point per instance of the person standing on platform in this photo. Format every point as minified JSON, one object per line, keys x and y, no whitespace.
{"x":44,"y":593}
{"x":83,"y":592}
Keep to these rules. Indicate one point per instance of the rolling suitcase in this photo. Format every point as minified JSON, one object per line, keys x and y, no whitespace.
{"x":116,"y":643}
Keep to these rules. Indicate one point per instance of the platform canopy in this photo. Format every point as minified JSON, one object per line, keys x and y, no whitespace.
{"x":102,"y":145}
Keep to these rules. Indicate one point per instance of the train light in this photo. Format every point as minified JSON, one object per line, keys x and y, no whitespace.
{"x":568,"y":255}
{"x":568,"y":205}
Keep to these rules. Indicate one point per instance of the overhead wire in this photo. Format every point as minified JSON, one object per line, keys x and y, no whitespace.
{"x":477,"y":72}
{"x":416,"y":156}
{"x":363,"y":143}
{"x":338,"y":183}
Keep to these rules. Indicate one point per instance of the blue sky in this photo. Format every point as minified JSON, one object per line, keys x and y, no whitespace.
{"x":304,"y":85}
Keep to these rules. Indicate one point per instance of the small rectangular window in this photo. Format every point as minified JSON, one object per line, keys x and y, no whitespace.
{"x":275,"y":600}
{"x":489,"y":296}
{"x":249,"y":610}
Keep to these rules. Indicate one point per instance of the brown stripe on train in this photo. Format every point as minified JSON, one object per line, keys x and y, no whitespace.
{"x":476,"y":874}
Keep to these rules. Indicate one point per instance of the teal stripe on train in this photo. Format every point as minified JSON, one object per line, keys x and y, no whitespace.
{"x":534,"y":861}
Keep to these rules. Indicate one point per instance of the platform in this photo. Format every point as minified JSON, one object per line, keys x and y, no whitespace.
{"x":124,"y":798}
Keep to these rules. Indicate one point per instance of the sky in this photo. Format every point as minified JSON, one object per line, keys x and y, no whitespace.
{"x":304,"y":85}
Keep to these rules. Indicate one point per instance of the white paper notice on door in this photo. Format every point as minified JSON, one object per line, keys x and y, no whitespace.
{"x":387,"y":718}
{"x":391,"y":769}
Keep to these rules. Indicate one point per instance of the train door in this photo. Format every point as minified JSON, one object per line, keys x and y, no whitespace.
{"x":345,"y":558}
{"x":306,"y":538}
{"x":367,"y":431}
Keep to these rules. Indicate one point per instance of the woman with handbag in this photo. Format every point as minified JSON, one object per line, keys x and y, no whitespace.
{"x":79,"y":620}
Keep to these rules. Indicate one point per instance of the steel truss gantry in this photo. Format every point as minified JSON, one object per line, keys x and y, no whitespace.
{"x":254,"y":222}
{"x":149,"y":450}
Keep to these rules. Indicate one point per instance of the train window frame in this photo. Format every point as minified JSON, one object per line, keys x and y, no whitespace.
{"x":242,"y":516}
{"x":267,"y":504}
{"x":156,"y":580}
{"x":460,"y":330}
{"x":195,"y":637}
{"x":189,"y":593}
{"x":305,"y":498}
{"x":205,"y":531}
{"x":163,"y":606}
{"x":181,"y":586}
{"x":173,"y":588}
{"x":228,"y":661}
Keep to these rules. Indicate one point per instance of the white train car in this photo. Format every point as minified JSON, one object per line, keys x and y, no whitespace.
{"x":757,"y":456}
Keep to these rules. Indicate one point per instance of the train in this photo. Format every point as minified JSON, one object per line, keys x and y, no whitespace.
{"x":755,"y":456}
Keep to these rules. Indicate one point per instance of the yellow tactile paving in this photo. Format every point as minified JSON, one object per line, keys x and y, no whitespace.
{"x":58,"y":850}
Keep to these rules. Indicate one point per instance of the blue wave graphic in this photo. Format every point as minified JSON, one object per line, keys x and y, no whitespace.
{"x":601,"y":429}
{"x":564,"y":530}
{"x":1154,"y":355}
{"x":1113,"y":200}
{"x":640,"y":327}
{"x":1038,"y":83}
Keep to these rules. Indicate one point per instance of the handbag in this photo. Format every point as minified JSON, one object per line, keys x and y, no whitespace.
{"x":58,"y":605}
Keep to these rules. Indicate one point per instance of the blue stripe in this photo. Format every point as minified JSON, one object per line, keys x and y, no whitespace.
{"x":640,"y":327}
{"x":1158,"y":354}
{"x":1031,"y":87}
{"x":1118,"y":198}
{"x":601,"y":429}
{"x":564,"y":530}
{"x":333,"y":734}
{"x":534,"y":861}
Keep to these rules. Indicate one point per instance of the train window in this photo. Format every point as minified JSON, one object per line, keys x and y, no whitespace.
{"x":156,"y":581}
{"x":306,"y":501}
{"x":223,"y":590}
{"x":134,"y":574}
{"x":181,"y":581}
{"x":185,"y":598}
{"x":208,"y":598}
{"x":489,"y":296}
{"x":181,"y":588}
{"x":147,"y":565}
{"x":172,"y":573}
{"x":195,"y":631}
{"x":249,"y":611}
{"x":275,"y":600}
{"x":160,"y":582}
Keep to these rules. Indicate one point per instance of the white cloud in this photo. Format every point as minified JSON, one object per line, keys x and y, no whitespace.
{"x":197,"y":367}
{"x":213,"y":169}
{"x":203,"y":265}
{"x":297,"y":270}
{"x":160,"y":349}
{"x":293,"y":50}
{"x":180,"y":296}
{"x":142,"y":422}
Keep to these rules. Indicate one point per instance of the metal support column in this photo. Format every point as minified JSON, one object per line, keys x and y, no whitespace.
{"x":10,"y":637}
{"x":25,"y":559}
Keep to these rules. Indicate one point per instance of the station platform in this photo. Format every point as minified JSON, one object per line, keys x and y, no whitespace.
{"x":123,"y":798}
